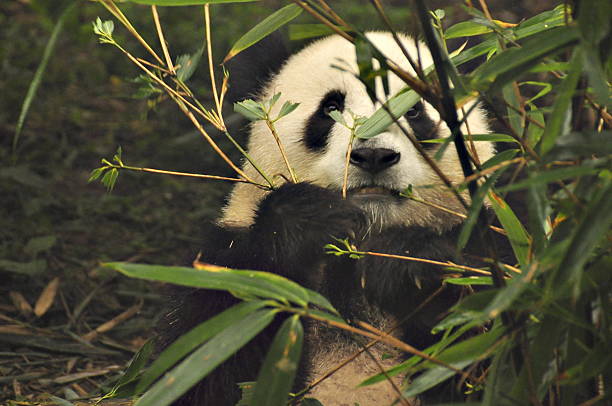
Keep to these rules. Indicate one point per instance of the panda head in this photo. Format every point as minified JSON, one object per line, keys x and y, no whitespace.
{"x":322,"y":78}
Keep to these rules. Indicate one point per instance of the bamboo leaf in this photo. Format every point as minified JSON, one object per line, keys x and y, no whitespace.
{"x":398,"y":105}
{"x":474,"y":210}
{"x":551,"y":176}
{"x":253,"y":283}
{"x":264,"y":28}
{"x":195,"y":337}
{"x":466,"y":29}
{"x":472,"y":280}
{"x":459,"y":356}
{"x":558,"y":122}
{"x":512,"y":62}
{"x":280,"y":366}
{"x":518,"y":237}
{"x":305,"y":31}
{"x":594,"y":224}
{"x":205,"y":359}
{"x":137,"y":363}
{"x":250,"y":109}
{"x":187,"y":65}
{"x":40,"y":71}
{"x":287,"y":108}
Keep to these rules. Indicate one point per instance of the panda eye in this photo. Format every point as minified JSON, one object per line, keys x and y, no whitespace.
{"x":330,"y":106}
{"x":415,"y":112}
{"x":333,"y":101}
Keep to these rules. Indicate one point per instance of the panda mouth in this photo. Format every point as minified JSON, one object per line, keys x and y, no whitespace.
{"x":373,"y":191}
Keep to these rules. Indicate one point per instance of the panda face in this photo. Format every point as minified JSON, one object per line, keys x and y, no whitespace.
{"x":322,"y":78}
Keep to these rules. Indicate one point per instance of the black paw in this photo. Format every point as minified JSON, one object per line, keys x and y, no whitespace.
{"x":302,"y":218}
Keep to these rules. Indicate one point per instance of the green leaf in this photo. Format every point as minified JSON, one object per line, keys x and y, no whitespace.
{"x":558,"y":122}
{"x":499,"y":158}
{"x":512,"y":62}
{"x":466,"y":29}
{"x":594,"y":25}
{"x":110,"y":178}
{"x":591,"y":228}
{"x":137,"y":363}
{"x":542,"y":22}
{"x":250,"y":109}
{"x":552,"y":175}
{"x":264,"y":28}
{"x":337,"y":117}
{"x":319,"y":300}
{"x":39,"y":244}
{"x":60,"y":402}
{"x":254,"y":283}
{"x":507,"y":295}
{"x":287,"y":108}
{"x":580,"y":145}
{"x":305,"y":31}
{"x":278,"y":370}
{"x":534,"y":132}
{"x":398,"y":105}
{"x":472,"y":280}
{"x":187,"y":65}
{"x":518,"y":237}
{"x":187,"y":2}
{"x":513,"y":108}
{"x":459,"y":356}
{"x":40,"y":71}
{"x":493,"y":137}
{"x":205,"y":359}
{"x":96,"y":173}
{"x":25,"y":268}
{"x":474,"y":210}
{"x":192,"y":339}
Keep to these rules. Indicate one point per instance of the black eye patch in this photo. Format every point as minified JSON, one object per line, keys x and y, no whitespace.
{"x":320,"y":123}
{"x":423,"y":126}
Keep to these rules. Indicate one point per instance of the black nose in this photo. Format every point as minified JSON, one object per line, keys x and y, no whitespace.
{"x":374,"y":160}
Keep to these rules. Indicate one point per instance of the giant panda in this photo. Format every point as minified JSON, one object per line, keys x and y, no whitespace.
{"x":284,"y":231}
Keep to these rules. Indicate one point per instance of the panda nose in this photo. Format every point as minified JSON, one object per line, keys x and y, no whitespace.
{"x":374,"y":160}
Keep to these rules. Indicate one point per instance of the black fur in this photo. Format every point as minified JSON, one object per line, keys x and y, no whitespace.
{"x":320,"y":123}
{"x":291,"y":227}
{"x":252,"y":68}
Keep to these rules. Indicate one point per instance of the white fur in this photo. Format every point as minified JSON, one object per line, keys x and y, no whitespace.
{"x":305,"y":78}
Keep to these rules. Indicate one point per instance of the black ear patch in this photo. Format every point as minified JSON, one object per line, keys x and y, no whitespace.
{"x":320,"y":123}
{"x":251,"y":69}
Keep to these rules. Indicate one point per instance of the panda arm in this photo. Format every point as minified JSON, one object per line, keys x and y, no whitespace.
{"x":291,"y":226}
{"x":396,"y":283}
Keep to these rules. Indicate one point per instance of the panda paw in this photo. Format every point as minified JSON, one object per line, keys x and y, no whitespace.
{"x":305,"y":214}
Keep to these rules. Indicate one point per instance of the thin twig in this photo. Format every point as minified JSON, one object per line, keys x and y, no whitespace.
{"x":369,"y":345}
{"x":173,"y":173}
{"x":381,"y":12}
{"x":324,"y":20}
{"x":384,"y":338}
{"x":281,"y":147}
{"x":349,"y":149}
{"x":210,"y":62}
{"x":455,"y":213}
{"x":162,"y":41}
{"x":333,"y":14}
{"x":116,"y":11}
{"x":426,"y":261}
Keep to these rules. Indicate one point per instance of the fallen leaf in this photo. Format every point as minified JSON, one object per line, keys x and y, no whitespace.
{"x":46,"y":298}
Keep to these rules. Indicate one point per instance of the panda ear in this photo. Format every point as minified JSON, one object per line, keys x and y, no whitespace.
{"x":251,"y":69}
